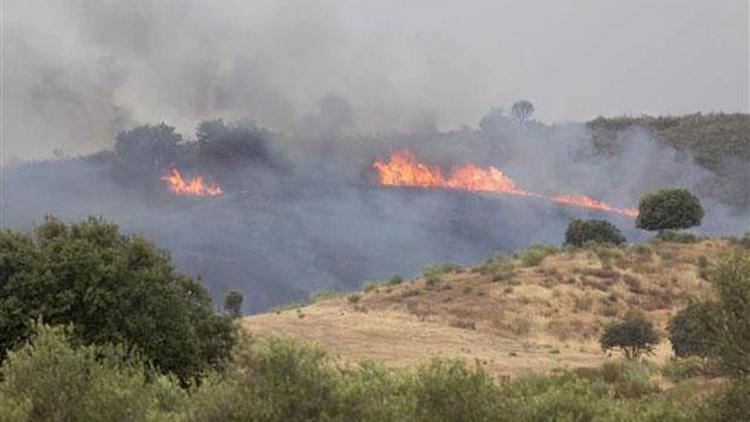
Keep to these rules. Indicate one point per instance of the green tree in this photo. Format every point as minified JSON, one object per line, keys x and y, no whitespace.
{"x":691,"y":330}
{"x":114,"y":289}
{"x":634,"y":335}
{"x":669,"y":209}
{"x":233,"y":304}
{"x":731,"y":321}
{"x":580,"y":232}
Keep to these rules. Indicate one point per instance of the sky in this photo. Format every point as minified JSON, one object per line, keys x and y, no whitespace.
{"x":76,"y":72}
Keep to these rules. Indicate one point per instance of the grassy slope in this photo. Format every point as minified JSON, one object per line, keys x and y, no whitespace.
{"x":541,"y":318}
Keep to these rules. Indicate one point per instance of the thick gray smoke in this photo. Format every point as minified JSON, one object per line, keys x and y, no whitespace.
{"x":339,"y":84}
{"x":76,"y":72}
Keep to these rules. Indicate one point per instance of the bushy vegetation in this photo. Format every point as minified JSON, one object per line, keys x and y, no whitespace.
{"x":580,"y":232}
{"x":233,"y":304}
{"x":634,"y":336}
{"x":669,"y":209}
{"x":49,"y":378}
{"x":114,"y":289}
{"x":691,"y":330}
{"x":534,"y":255}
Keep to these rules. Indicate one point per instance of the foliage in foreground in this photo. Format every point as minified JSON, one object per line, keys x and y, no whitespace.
{"x":277,"y":380}
{"x":114,"y":289}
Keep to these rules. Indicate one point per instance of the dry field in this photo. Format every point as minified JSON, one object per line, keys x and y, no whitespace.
{"x":511,"y":314}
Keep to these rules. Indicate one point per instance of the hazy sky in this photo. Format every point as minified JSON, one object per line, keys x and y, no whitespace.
{"x":77,"y":71}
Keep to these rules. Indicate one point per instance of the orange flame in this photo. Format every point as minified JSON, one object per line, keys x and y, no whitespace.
{"x":193,"y":186}
{"x":404,"y":169}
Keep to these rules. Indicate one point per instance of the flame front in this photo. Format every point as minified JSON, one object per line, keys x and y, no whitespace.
{"x":404,"y":169}
{"x":193,"y":186}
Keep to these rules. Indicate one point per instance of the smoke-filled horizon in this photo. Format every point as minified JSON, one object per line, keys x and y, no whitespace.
{"x":77,"y":72}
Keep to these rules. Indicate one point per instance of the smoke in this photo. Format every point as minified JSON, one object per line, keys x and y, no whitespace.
{"x":76,"y":72}
{"x":314,"y":92}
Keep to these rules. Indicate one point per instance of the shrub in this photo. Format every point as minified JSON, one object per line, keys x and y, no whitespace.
{"x":676,"y":237}
{"x":669,"y":209}
{"x":580,"y":232}
{"x":680,"y":369}
{"x":114,"y":289}
{"x":396,"y":279}
{"x":634,"y":335}
{"x":449,"y":391}
{"x":48,"y":380}
{"x":438,"y":270}
{"x":353,"y":298}
{"x":691,"y":330}
{"x":233,"y":304}
{"x":498,"y":267}
{"x":534,"y":255}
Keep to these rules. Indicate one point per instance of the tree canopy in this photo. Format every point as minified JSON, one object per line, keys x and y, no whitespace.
{"x":113,"y":288}
{"x":669,"y":209}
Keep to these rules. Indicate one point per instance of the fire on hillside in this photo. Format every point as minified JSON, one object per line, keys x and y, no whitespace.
{"x":403,"y":168}
{"x":194,"y":186}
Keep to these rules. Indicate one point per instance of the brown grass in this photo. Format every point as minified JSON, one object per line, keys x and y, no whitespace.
{"x":561,"y":304}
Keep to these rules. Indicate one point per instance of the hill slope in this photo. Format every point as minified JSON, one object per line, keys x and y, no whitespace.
{"x":513,"y":314}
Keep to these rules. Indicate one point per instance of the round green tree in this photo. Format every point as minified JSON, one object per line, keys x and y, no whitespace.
{"x":634,"y":335}
{"x":112,"y":288}
{"x":669,"y":209}
{"x":580,"y":232}
{"x":691,"y":330}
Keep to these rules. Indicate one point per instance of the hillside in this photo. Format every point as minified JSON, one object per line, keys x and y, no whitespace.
{"x":513,"y":314}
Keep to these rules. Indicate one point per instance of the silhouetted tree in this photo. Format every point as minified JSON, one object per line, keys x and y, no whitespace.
{"x":233,"y":304}
{"x":522,"y":110}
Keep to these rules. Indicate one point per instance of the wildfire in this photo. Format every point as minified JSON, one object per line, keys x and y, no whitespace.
{"x":404,"y":169}
{"x":192,"y":186}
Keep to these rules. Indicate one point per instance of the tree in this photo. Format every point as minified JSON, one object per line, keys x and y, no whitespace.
{"x":731,"y":320}
{"x":147,"y":149}
{"x":113,"y":289}
{"x":691,"y":330}
{"x":233,"y":304}
{"x":634,"y":335}
{"x":581,"y":231}
{"x":669,"y":209}
{"x":522,"y":110}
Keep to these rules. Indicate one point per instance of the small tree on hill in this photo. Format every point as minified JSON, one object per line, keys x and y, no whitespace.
{"x":233,"y":304}
{"x":581,"y":231}
{"x":669,"y":209}
{"x":634,"y":335}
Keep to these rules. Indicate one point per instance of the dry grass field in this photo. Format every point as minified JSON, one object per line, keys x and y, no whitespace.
{"x":540,"y":310}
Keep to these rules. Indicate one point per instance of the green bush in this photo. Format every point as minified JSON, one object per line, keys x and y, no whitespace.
{"x":634,"y":335}
{"x":113,"y":289}
{"x":676,"y":237}
{"x":580,"y":232}
{"x":678,"y":369}
{"x":691,"y":330}
{"x":669,"y":209}
{"x":534,"y":255}
{"x":48,"y":380}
